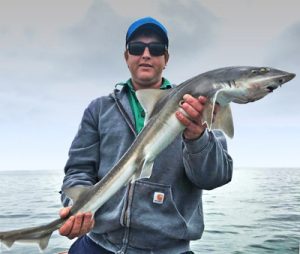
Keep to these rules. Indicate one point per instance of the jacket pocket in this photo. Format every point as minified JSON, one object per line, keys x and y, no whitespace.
{"x":154,"y":216}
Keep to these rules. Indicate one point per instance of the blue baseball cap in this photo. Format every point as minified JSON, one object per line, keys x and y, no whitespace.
{"x":147,"y":23}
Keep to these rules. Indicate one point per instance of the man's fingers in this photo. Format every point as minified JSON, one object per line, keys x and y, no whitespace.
{"x":188,"y":122}
{"x":196,"y":103}
{"x":194,"y":107}
{"x":87,"y":224}
{"x":191,"y":111}
{"x":77,"y":225}
{"x":193,"y":118}
{"x":202,"y":99}
{"x":76,"y":229}
{"x":194,"y":129}
{"x":183,"y":119}
{"x":66,"y":228}
{"x":63,"y":213}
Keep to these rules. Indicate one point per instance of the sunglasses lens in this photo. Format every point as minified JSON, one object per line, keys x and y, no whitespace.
{"x":138,"y":48}
{"x":157,"y":49}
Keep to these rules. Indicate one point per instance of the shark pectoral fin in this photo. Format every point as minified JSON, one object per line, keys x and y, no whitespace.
{"x":148,"y":99}
{"x":223,"y":121}
{"x":76,"y":192}
{"x":223,"y":117}
{"x":43,"y":242}
{"x":225,"y":96}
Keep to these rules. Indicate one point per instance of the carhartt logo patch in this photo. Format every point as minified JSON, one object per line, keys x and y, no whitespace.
{"x":158,"y":197}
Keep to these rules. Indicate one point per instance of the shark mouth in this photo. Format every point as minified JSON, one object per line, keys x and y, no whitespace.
{"x":271,"y":88}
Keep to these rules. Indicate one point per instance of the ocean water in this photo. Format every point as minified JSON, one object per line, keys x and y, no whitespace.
{"x":258,"y":212}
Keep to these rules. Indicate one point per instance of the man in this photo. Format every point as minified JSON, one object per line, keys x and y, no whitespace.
{"x":156,"y":215}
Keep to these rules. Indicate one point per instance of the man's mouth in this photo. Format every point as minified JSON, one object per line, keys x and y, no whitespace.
{"x":146,"y":65}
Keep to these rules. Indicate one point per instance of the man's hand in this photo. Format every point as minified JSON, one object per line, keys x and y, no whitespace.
{"x":194,"y":108}
{"x":77,"y":225}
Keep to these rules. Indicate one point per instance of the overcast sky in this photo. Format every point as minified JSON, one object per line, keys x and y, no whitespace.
{"x":57,"y":56}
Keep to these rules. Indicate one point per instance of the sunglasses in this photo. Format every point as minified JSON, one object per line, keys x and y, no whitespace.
{"x":137,"y":48}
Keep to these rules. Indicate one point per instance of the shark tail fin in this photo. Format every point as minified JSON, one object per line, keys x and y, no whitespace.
{"x":33,"y":235}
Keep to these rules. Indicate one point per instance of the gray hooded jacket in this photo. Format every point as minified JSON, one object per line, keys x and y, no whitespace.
{"x":156,"y":215}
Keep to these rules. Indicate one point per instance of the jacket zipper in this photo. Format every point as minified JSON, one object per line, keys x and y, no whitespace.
{"x":126,"y":219}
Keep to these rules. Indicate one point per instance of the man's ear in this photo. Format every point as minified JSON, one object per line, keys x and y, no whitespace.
{"x":126,"y":55}
{"x":166,"y":57}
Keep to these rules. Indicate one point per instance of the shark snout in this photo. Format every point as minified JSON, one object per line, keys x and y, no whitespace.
{"x":280,"y":81}
{"x":285,"y":78}
{"x":289,"y":77}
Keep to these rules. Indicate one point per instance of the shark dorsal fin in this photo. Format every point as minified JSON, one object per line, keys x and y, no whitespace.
{"x":76,"y":192}
{"x":223,"y":118}
{"x":148,"y":99}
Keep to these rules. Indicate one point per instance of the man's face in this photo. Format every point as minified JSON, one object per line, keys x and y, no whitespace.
{"x":146,"y":70}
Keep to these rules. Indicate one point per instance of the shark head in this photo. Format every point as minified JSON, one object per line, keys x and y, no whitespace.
{"x":256,"y":82}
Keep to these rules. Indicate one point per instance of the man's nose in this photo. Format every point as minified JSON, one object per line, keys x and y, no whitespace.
{"x":146,"y":53}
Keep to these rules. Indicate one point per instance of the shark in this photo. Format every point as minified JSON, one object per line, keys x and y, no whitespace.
{"x":237,"y":84}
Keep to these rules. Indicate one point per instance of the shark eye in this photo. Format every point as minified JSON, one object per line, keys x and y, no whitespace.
{"x":264,"y":70}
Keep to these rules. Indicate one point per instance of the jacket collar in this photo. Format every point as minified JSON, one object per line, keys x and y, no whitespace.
{"x":122,"y":98}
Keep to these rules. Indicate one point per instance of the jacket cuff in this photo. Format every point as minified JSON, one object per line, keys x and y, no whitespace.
{"x":197,"y":145}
